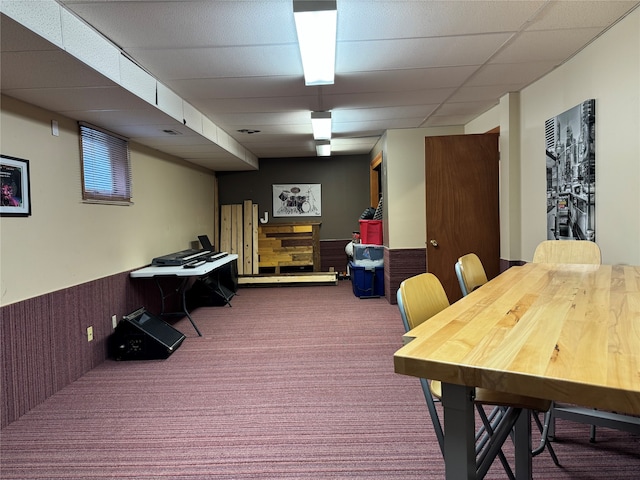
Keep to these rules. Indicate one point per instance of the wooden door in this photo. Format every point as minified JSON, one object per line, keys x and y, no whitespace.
{"x":461,"y":181}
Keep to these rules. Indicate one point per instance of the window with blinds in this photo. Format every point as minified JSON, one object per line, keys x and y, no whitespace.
{"x":106,"y":169}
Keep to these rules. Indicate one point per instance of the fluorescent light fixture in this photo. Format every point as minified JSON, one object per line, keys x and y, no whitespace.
{"x":316,"y":26}
{"x":323,"y":148}
{"x":321,"y":125}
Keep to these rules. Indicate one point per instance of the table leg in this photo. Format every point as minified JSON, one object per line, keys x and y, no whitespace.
{"x":184,"y":308}
{"x":459,"y":432}
{"x":221,"y":290}
{"x":182,"y":291}
{"x":522,"y":441}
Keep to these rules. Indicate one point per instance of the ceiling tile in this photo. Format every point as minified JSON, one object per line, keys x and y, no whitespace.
{"x":179,"y":24}
{"x":391,"y":19}
{"x":510,"y":73}
{"x":397,"y":54}
{"x":580,"y":14}
{"x":545,"y":45}
{"x":221,"y":62}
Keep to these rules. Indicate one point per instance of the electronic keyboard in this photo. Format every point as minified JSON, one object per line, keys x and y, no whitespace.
{"x":188,"y":258}
{"x":181,"y":258}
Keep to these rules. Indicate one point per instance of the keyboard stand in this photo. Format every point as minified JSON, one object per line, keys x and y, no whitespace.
{"x":221,"y":290}
{"x":225,"y":293}
{"x":183,"y":275}
{"x":181,"y":290}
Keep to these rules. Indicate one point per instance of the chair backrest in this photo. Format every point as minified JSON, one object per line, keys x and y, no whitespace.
{"x":420,"y":298}
{"x":403,"y":312}
{"x":568,"y":251}
{"x":470,"y":273}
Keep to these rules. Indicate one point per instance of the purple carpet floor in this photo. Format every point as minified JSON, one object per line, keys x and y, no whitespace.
{"x":288,"y":383}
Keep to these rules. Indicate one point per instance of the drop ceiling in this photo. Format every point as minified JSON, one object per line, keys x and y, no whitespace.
{"x":236,"y":64}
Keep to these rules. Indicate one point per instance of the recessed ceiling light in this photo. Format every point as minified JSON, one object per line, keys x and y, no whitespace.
{"x":248,"y":131}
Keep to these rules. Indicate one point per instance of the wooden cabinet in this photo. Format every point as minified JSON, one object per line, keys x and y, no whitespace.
{"x":289,"y":245}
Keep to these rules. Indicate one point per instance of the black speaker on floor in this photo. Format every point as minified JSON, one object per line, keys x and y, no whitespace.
{"x":142,"y":336}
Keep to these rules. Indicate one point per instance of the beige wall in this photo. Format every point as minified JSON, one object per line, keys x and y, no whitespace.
{"x":507,"y":116}
{"x":608,"y":70}
{"x":403,"y":180}
{"x":66,"y":242}
{"x":485,"y":122}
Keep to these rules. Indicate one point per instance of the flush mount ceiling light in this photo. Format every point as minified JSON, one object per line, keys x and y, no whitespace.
{"x":321,"y":125}
{"x":316,"y":26}
{"x":323,"y":148}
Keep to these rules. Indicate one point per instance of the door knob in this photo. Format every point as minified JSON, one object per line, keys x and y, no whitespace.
{"x":434,"y":243}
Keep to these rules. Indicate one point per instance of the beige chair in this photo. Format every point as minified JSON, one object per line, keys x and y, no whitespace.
{"x":420,"y":298}
{"x":567,"y":251}
{"x":470,"y":273}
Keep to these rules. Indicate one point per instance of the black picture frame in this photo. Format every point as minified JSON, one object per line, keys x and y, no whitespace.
{"x":15,"y":200}
{"x":297,"y":200}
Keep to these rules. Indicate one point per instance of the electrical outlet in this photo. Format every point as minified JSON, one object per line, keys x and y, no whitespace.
{"x":89,"y":334}
{"x":114,"y":321}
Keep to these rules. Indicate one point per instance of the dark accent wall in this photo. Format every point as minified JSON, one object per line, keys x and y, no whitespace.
{"x":44,"y":339}
{"x":344,"y":181}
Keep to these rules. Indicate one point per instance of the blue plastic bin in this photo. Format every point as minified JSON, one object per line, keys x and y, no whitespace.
{"x":367,"y":282}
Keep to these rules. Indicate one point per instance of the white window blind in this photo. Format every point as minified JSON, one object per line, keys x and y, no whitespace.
{"x":106,"y":169}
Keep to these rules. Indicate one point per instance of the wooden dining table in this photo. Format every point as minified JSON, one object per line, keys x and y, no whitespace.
{"x":561,"y":332}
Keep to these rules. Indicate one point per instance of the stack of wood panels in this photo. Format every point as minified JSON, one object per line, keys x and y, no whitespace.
{"x":239,"y":234}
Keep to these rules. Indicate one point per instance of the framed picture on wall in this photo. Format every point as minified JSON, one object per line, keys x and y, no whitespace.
{"x":16,"y":194}
{"x":297,"y":200}
{"x":571,"y":173}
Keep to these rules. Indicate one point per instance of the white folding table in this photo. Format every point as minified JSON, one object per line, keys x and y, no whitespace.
{"x":183,"y":275}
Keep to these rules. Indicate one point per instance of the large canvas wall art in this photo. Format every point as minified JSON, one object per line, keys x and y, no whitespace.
{"x":571,"y":173}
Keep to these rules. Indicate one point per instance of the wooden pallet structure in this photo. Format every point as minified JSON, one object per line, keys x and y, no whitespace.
{"x":275,"y":253}
{"x":282,"y":245}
